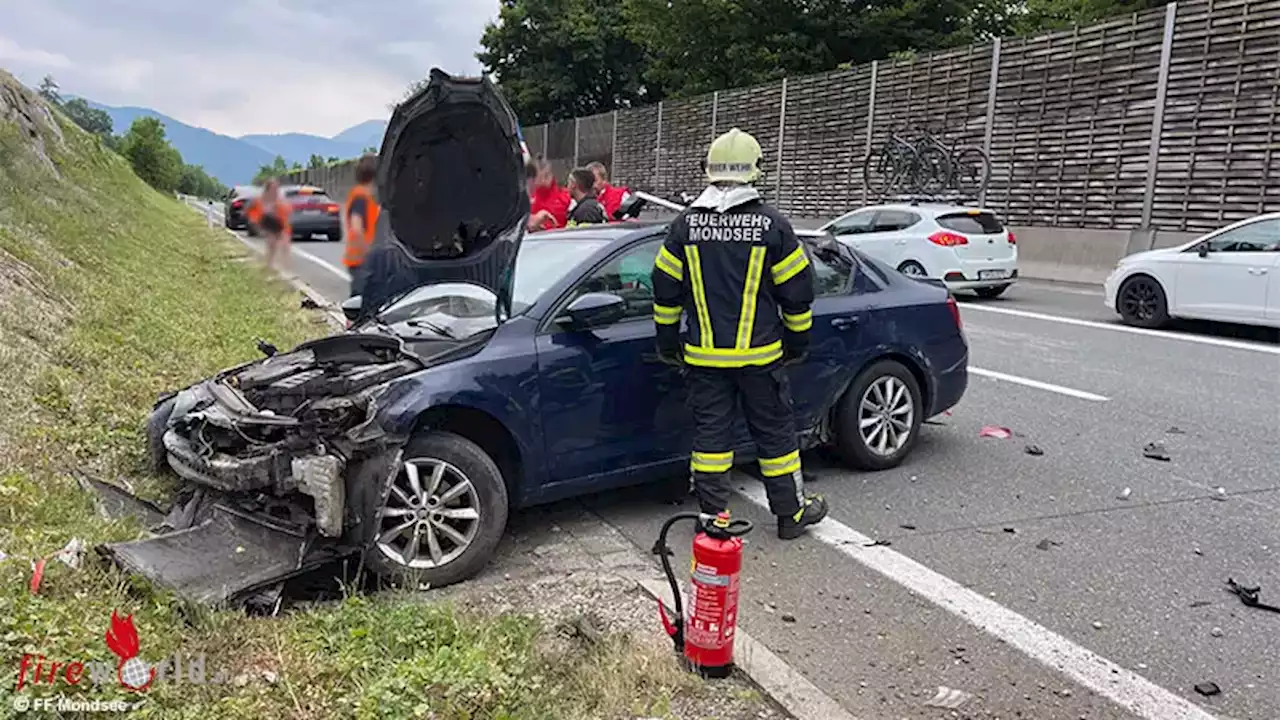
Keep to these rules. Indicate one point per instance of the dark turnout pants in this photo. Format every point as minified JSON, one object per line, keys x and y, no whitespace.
{"x":764,"y":394}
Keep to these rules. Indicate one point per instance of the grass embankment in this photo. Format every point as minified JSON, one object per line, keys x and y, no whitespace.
{"x":111,"y":293}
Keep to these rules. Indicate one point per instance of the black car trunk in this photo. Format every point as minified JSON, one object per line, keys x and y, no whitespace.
{"x":451,"y":185}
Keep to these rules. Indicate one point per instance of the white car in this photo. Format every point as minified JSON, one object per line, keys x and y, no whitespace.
{"x":967,"y":248}
{"x":1230,"y":275}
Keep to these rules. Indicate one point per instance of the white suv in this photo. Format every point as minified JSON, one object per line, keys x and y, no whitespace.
{"x":967,"y":248}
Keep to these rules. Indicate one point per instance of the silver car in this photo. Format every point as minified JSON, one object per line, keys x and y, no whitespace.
{"x":968,"y":248}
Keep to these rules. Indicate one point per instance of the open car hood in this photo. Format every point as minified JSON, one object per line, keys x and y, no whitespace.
{"x":451,"y":186}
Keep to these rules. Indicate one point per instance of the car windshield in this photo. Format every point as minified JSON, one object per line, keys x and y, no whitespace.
{"x":460,"y":310}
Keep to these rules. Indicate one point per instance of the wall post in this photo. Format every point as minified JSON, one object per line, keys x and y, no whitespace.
{"x":871,"y":118}
{"x":715,"y":111}
{"x":1157,"y":117}
{"x":657,"y":149}
{"x":993,"y":84}
{"x":782,"y":128}
{"x":613,"y":147}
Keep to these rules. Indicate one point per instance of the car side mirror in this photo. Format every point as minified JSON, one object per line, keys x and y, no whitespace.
{"x":593,"y":309}
{"x":351,"y":307}
{"x":1203,"y":250}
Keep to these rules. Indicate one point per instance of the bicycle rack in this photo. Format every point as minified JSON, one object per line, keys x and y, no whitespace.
{"x":926,"y":170}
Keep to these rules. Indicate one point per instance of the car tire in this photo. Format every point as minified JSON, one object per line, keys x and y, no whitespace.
{"x":459,"y":461}
{"x":865,"y":400}
{"x":911,"y":268}
{"x":988,"y":293}
{"x":1141,"y":302}
{"x":334,"y":237}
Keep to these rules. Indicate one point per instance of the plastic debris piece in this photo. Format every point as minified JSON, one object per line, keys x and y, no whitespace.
{"x":1175,"y":430}
{"x":788,"y":618}
{"x":1010,"y":530}
{"x":71,"y":552}
{"x":1035,"y":450}
{"x":1097,"y":625}
{"x":1046,"y":543}
{"x":37,"y":575}
{"x":877,"y":543}
{"x":3,"y":556}
{"x":1217,"y":632}
{"x":994,"y":431}
{"x":949,"y":698}
{"x":1249,"y":595}
{"x":906,"y":526}
{"x":1208,"y":689}
{"x":1220,"y":493}
{"x":1200,"y":603}
{"x":1155,"y":451}
{"x":1124,"y":494}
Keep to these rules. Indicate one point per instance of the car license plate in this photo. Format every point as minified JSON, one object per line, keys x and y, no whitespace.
{"x":992,"y":274}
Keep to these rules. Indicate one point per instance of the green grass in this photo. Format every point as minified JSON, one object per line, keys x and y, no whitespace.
{"x":111,"y":293}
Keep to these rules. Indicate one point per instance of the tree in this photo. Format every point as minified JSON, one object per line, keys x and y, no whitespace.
{"x":152,"y":157}
{"x":90,"y":119}
{"x":564,"y":58}
{"x":316,"y":161}
{"x":332,"y":159}
{"x":49,"y":90}
{"x":277,"y":168}
{"x":370,"y":150}
{"x":195,"y":181}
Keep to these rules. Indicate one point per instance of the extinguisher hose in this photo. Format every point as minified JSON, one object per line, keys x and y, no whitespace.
{"x":660,"y":547}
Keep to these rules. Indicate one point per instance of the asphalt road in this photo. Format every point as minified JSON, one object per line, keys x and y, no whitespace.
{"x":1086,"y":582}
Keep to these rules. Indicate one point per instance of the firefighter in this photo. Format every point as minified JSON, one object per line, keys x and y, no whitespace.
{"x":733,"y":265}
{"x":359,"y":220}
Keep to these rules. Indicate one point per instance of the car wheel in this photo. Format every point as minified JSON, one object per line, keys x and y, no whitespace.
{"x":879,"y":417}
{"x":911,"y":268}
{"x":1141,"y":302}
{"x":991,"y":292}
{"x":334,"y":237}
{"x":444,"y":514}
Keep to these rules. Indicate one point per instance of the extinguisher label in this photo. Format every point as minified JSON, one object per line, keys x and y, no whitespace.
{"x":713,"y":614}
{"x":710,"y":578}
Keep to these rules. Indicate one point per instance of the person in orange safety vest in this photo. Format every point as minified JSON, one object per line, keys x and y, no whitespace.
{"x":360,"y":220}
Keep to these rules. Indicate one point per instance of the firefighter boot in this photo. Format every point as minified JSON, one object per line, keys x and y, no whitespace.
{"x":814,"y":510}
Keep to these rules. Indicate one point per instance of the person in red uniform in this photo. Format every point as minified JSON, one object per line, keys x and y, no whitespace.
{"x":610,"y":196}
{"x":548,"y":202}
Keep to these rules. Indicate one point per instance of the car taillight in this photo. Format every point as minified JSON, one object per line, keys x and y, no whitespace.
{"x":948,"y":239}
{"x":333,"y":210}
{"x":1012,"y":240}
{"x":237,"y":204}
{"x":955,"y":311}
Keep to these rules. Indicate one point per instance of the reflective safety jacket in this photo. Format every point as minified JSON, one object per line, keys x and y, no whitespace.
{"x":360,"y":203}
{"x":734,"y":267}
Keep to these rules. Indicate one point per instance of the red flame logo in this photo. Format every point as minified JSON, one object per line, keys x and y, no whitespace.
{"x":122,"y":639}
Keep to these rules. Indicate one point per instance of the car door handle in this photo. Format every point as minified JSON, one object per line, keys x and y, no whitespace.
{"x":844,"y":322}
{"x":1257,"y":271}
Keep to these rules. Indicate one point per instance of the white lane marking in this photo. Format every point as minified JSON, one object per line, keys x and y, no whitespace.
{"x":1060,"y":389}
{"x":324,"y":264}
{"x":1123,"y":687}
{"x":1200,"y":339}
{"x":1048,"y":286}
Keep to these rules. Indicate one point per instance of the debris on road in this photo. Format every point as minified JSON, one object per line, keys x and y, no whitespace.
{"x":788,"y":618}
{"x":877,"y":543}
{"x":1034,"y":450}
{"x":1249,"y":596}
{"x":1124,"y":494}
{"x":1010,"y":530}
{"x":1200,"y":603}
{"x":1175,"y":430}
{"x":1208,"y":689}
{"x":1216,"y":632}
{"x":1046,"y":543}
{"x":949,"y":698}
{"x":308,"y":304}
{"x":1220,"y":493}
{"x":1097,"y":625}
{"x":906,"y":526}
{"x":994,"y":431}
{"x":1156,"y":451}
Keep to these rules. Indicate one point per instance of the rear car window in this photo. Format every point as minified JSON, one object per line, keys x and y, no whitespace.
{"x":972,"y":223}
{"x":308,"y":197}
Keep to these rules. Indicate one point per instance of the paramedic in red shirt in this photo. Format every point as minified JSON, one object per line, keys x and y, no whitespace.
{"x":610,"y":197}
{"x":548,"y":202}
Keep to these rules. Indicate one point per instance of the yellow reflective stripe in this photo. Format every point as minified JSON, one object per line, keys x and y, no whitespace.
{"x":798,"y":322}
{"x":669,"y":264}
{"x":785,"y":465}
{"x":666,"y":314}
{"x":750,"y":291}
{"x":732,"y":357}
{"x":711,"y":462}
{"x":787,"y":268}
{"x":699,"y":296}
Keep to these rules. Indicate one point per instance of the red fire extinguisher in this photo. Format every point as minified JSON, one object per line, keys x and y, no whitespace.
{"x":705,"y":636}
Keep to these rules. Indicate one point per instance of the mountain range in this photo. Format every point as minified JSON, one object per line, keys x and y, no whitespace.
{"x":235,"y":160}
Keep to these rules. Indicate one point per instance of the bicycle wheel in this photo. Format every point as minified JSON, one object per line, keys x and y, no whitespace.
{"x":971,"y":171}
{"x":879,"y":172}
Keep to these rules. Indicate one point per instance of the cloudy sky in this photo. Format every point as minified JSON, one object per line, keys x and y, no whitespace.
{"x":243,"y":66}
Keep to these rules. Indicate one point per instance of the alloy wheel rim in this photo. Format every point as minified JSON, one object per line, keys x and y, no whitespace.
{"x":431,"y":516}
{"x":885,"y":415}
{"x":913,"y":270}
{"x":1140,"y":300}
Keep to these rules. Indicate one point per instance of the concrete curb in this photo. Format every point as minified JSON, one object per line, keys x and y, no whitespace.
{"x":335,"y":318}
{"x":782,"y":682}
